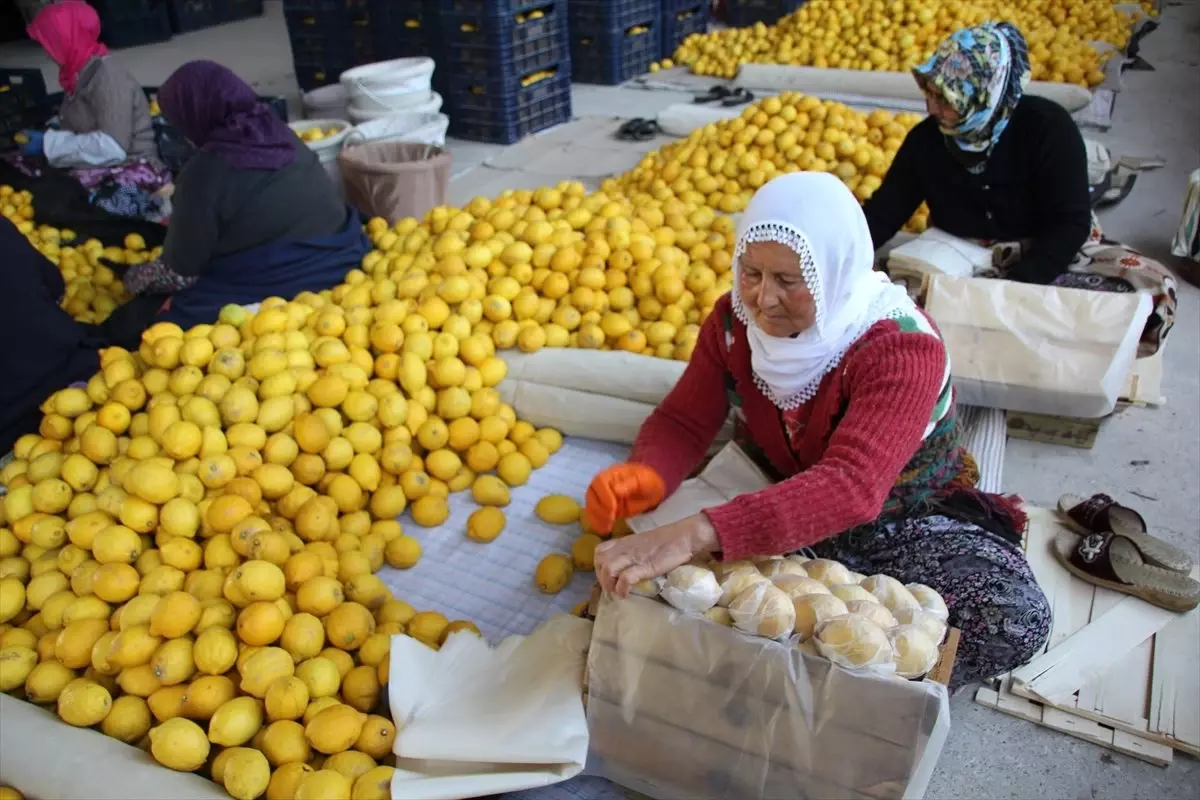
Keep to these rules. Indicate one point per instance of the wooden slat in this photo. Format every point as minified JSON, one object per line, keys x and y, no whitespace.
{"x":1085,"y":656}
{"x":1070,"y":722}
{"x":1174,"y":692}
{"x":1121,"y":693}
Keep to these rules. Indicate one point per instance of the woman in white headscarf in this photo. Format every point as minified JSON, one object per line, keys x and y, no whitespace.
{"x":840,"y":389}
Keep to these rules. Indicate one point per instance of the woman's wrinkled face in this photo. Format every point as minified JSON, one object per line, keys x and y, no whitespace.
{"x":945,"y":114}
{"x":773,"y":289}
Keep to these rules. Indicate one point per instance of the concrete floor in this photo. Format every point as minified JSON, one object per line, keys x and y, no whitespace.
{"x":1149,"y":458}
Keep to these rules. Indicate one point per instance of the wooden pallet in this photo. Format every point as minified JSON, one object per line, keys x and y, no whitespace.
{"x":1116,"y":671}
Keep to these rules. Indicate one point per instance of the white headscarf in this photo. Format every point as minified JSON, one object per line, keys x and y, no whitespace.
{"x":815,"y":215}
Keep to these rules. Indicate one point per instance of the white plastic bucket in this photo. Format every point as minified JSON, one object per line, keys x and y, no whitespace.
{"x":389,"y":85}
{"x":327,"y":102}
{"x":430,"y":105}
{"x":423,"y":128}
{"x":327,"y":149}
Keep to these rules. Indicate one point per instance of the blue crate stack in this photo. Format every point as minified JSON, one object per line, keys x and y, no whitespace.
{"x":237,"y":10}
{"x":504,"y":67}
{"x":680,"y":19}
{"x":23,"y":103}
{"x":191,"y":15}
{"x":613,"y":41}
{"x":331,"y":36}
{"x":130,"y":23}
{"x":744,"y":13}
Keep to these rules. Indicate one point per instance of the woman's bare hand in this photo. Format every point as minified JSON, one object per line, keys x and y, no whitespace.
{"x":623,"y":563}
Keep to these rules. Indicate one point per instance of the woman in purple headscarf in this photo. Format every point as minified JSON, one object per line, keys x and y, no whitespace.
{"x":255,"y":214}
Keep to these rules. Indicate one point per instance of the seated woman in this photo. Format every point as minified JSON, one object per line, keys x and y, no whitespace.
{"x":1008,"y":169}
{"x":255,"y":214}
{"x":840,"y":389}
{"x":105,"y":137}
{"x":54,"y":350}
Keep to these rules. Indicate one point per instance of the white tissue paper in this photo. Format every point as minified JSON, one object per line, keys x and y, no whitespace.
{"x":473,"y":720}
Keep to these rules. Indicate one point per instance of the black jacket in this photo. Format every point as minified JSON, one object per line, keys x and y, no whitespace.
{"x":44,"y":350}
{"x":1035,"y":187}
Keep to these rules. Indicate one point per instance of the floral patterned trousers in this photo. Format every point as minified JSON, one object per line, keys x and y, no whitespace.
{"x":992,"y":595}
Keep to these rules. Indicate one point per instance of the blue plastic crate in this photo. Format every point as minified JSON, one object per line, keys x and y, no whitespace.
{"x":594,"y":16}
{"x":500,"y":30}
{"x":505,"y":63}
{"x":191,"y":15}
{"x":314,"y":76}
{"x":21,"y":89}
{"x":326,"y":13}
{"x":744,"y":13}
{"x":614,"y":57}
{"x":467,"y":89}
{"x":345,"y":46}
{"x":404,"y":29}
{"x":120,"y":32}
{"x":237,"y":10}
{"x":680,"y":23}
{"x":516,"y":115}
{"x":486,"y":6}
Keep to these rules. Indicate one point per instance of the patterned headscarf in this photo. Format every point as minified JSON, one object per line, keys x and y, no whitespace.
{"x":981,"y":72}
{"x":69,"y":32}
{"x":220,"y":114}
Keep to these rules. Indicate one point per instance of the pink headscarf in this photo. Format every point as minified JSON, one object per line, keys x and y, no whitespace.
{"x":69,"y":32}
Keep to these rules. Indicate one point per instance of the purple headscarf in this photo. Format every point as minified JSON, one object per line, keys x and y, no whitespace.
{"x":220,"y":114}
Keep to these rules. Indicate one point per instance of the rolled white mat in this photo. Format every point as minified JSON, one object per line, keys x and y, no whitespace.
{"x":892,"y":85}
{"x":45,"y":759}
{"x":576,"y":413}
{"x":614,"y":373}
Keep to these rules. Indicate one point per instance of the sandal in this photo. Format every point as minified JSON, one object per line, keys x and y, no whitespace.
{"x":639,"y":130}
{"x":737,"y":97}
{"x":1101,"y":514}
{"x":1114,"y":562}
{"x":714,"y":93}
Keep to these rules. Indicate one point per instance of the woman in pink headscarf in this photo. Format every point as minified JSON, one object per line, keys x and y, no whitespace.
{"x":105,"y":136}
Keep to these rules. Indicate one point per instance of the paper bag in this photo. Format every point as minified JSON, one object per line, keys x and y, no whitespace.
{"x":936,"y":251}
{"x":474,"y":721}
{"x":1037,"y":349}
{"x":729,"y":474}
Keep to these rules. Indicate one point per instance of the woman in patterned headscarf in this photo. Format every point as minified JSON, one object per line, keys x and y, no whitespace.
{"x":991,"y":162}
{"x":1009,"y":170}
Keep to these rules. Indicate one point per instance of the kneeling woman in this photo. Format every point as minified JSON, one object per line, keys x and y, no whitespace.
{"x":255,"y":214}
{"x":841,"y":390}
{"x":1009,"y":170}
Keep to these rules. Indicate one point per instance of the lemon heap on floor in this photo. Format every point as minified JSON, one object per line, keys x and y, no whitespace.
{"x":897,"y":35}
{"x":92,"y":289}
{"x":722,"y":164}
{"x":189,"y":542}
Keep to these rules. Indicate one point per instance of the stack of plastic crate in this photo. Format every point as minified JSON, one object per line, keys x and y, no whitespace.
{"x":744,"y":13}
{"x":505,"y":67}
{"x":613,"y":41}
{"x":680,"y":19}
{"x":129,"y":23}
{"x":328,"y":37}
{"x":23,"y":104}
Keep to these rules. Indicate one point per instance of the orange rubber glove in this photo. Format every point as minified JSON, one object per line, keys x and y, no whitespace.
{"x":620,"y":492}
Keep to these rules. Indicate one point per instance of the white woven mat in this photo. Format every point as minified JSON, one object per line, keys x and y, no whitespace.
{"x":492,"y":584}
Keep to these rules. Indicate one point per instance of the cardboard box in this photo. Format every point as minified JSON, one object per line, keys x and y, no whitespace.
{"x":681,"y":706}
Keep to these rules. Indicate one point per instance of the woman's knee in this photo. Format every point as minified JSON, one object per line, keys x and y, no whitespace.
{"x":1000,"y":636}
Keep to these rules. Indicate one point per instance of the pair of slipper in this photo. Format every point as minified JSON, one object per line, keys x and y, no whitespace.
{"x":639,"y":130}
{"x":1116,"y":551}
{"x":726,"y":96}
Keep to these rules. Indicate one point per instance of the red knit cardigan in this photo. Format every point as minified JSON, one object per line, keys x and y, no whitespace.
{"x":841,"y":469}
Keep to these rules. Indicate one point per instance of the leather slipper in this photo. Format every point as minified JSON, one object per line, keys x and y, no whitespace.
{"x":1101,"y":514}
{"x":1111,"y":561}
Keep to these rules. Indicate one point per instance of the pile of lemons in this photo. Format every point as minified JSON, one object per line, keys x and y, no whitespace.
{"x":897,"y":35}
{"x":557,"y":267}
{"x":722,"y":164}
{"x":93,"y":290}
{"x":189,"y":542}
